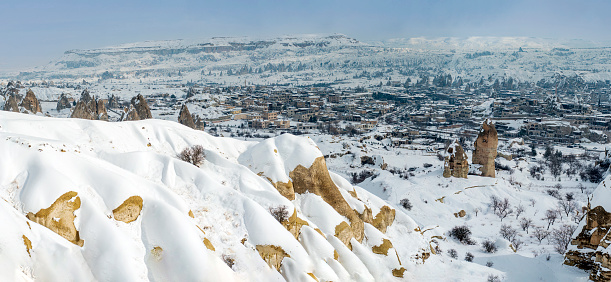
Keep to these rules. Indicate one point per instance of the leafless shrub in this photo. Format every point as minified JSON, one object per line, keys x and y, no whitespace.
{"x":508,"y":232}
{"x":489,"y":246}
{"x":561,"y":237}
{"x":550,"y":216}
{"x":193,"y":155}
{"x":540,"y":233}
{"x":229,"y":261}
{"x":280,"y":213}
{"x":525,"y":223}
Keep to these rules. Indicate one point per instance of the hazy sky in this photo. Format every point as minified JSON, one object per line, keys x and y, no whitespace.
{"x":33,"y":32}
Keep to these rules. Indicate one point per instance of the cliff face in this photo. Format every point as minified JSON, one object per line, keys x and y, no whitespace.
{"x":455,"y":163}
{"x":485,"y":148}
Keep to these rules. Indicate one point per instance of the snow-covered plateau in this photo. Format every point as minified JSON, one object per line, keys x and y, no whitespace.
{"x":328,"y":59}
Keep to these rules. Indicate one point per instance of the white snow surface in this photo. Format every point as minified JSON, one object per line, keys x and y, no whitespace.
{"x":106,"y":163}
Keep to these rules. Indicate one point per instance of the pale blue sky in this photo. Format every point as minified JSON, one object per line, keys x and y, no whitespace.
{"x":36,"y":31}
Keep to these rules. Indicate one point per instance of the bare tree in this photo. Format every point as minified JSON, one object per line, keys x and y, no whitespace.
{"x":494,"y":203}
{"x":561,"y":237}
{"x":550,"y":216}
{"x":540,"y":233}
{"x":519,"y":210}
{"x":508,"y":232}
{"x":504,"y":209}
{"x":525,"y":223}
{"x":566,"y":206}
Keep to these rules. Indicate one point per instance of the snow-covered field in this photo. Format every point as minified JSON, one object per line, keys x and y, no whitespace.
{"x":195,"y":223}
{"x":208,"y":222}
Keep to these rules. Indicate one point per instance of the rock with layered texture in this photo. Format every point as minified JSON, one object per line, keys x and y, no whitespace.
{"x":590,"y":248}
{"x":485,"y":148}
{"x":30,"y":103}
{"x":455,"y":162}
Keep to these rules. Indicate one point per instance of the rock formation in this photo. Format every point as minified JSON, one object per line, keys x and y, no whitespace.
{"x":30,"y":103}
{"x":63,"y":103}
{"x":89,"y":108}
{"x":589,"y":250}
{"x":485,"y":148}
{"x":113,"y":102}
{"x":199,"y":123}
{"x":138,"y":109}
{"x":11,"y":104}
{"x":317,"y":180}
{"x":185,"y":117}
{"x":455,"y":163}
{"x":142,"y":108}
{"x":59,"y":217}
{"x":129,"y":210}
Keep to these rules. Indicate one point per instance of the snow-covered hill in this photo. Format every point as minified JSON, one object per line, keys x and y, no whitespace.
{"x":329,"y":59}
{"x":90,"y":200}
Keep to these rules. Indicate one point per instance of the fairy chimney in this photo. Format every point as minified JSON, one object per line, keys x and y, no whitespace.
{"x":185,"y":117}
{"x":30,"y":103}
{"x":485,"y":148}
{"x":455,"y":162}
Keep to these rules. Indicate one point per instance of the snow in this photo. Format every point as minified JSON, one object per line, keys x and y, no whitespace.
{"x":106,"y":163}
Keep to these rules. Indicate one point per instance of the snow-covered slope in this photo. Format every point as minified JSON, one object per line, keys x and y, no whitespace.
{"x":89,"y":200}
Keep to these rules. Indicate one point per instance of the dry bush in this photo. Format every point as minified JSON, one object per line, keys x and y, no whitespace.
{"x":193,"y":155}
{"x":280,"y":213}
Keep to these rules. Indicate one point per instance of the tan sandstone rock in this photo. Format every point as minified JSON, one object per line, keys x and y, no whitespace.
{"x":485,"y":148}
{"x":455,"y":163}
{"x":591,"y":243}
{"x":129,"y":210}
{"x":317,"y":180}
{"x":59,"y":217}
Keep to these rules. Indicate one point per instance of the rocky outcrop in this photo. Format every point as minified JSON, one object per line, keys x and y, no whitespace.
{"x":142,"y":108}
{"x":317,"y":180}
{"x":63,"y":103}
{"x":89,"y":107}
{"x":485,"y":148}
{"x":129,"y":210}
{"x":272,"y":255}
{"x":113,"y":102}
{"x":185,"y":117}
{"x":30,"y":103}
{"x":455,"y":161}
{"x":138,"y":110}
{"x":11,"y":104}
{"x":59,"y":217}
{"x":589,"y":250}
{"x":199,"y":123}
